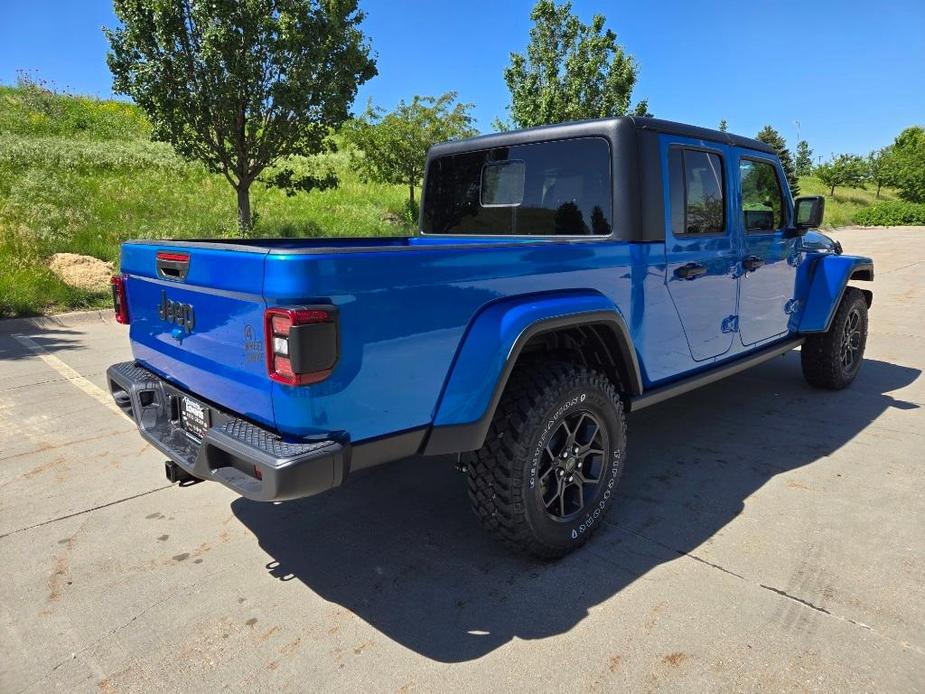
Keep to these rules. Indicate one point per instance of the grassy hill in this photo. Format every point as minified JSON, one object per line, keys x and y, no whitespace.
{"x":80,"y":175}
{"x":840,"y":210}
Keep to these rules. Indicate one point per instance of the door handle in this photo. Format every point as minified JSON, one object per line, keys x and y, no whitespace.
{"x":752,"y":263}
{"x":690,"y":271}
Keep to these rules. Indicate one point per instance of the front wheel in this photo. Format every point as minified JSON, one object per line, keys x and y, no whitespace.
{"x":547,"y":473}
{"x":832,"y":359}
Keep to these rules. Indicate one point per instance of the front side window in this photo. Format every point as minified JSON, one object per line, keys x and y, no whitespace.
{"x":697,"y":192}
{"x":762,"y":199}
{"x":559,"y":188}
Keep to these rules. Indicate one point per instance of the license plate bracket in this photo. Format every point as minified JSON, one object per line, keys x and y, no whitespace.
{"x":195,"y":418}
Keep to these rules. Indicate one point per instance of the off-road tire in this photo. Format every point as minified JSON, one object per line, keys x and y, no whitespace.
{"x":504,"y":476}
{"x":823,"y":356}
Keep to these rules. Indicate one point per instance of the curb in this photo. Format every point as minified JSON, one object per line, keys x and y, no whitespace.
{"x":60,"y":320}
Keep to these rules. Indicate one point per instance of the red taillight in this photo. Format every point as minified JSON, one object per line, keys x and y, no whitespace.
{"x":119,"y":303}
{"x":173,"y":257}
{"x":300,"y":358}
{"x":280,"y":325}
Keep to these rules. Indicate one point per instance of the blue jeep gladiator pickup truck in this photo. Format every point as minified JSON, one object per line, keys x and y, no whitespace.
{"x":563,"y":276}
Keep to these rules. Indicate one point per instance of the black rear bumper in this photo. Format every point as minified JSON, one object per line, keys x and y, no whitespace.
{"x":252,"y":461}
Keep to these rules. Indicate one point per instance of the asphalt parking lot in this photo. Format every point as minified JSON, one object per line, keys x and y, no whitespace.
{"x":768,"y":536}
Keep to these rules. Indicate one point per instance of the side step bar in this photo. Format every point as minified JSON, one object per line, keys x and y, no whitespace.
{"x":656,"y":395}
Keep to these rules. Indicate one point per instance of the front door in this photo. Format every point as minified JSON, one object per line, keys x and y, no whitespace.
{"x":769,"y":259}
{"x":701,"y":247}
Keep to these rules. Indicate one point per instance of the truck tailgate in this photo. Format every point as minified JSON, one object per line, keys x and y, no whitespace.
{"x":199,"y":322}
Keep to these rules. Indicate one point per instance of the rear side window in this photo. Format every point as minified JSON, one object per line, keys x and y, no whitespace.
{"x":762,"y":199}
{"x":560,"y":188}
{"x":697,"y":191}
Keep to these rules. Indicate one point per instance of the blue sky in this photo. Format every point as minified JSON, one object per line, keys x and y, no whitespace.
{"x":851,"y":72}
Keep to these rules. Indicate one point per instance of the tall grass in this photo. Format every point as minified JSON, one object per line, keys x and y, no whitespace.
{"x":80,"y":175}
{"x":33,"y":108}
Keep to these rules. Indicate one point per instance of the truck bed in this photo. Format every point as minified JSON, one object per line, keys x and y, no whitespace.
{"x":402,"y":316}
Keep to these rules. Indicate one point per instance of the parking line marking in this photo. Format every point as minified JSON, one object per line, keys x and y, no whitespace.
{"x":88,"y":387}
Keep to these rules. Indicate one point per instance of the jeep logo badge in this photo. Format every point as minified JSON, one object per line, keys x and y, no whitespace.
{"x":176,"y":312}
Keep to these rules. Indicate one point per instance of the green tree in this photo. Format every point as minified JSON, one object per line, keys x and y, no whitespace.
{"x":880,"y":168}
{"x":723,"y":125}
{"x":770,"y":136}
{"x":571,"y":71}
{"x":394,"y":145}
{"x":908,"y":164}
{"x":842,"y":170}
{"x":804,"y":160}
{"x":242,"y":84}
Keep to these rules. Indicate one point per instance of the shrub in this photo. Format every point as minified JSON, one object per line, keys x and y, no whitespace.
{"x":892,"y":213}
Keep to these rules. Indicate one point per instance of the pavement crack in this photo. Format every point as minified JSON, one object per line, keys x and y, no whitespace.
{"x":805,"y":603}
{"x":782,"y":593}
{"x":679,"y":552}
{"x":86,"y":510}
{"x":900,"y":268}
{"x":710,"y":563}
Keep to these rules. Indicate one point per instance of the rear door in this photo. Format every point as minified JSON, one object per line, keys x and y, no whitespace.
{"x":196,"y":317}
{"x":701,"y":245}
{"x":769,"y":259}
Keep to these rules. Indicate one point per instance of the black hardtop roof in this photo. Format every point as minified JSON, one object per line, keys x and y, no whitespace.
{"x":606,"y":127}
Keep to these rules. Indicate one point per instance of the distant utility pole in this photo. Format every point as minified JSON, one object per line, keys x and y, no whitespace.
{"x":797,"y":123}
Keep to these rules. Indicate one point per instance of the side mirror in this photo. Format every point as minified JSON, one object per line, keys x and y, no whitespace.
{"x":808,"y":212}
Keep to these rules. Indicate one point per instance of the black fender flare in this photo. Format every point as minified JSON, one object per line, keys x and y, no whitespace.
{"x":458,"y":438}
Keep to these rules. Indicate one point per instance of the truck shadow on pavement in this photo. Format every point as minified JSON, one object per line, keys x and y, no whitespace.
{"x":399,"y":548}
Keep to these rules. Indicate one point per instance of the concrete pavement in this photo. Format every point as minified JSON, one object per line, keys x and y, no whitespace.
{"x":768,"y":536}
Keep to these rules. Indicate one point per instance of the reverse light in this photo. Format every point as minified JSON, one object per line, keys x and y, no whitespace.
{"x":301,"y":344}
{"x":119,"y":302}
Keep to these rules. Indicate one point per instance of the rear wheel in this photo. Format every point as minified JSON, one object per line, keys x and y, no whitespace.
{"x":832,"y":359}
{"x":547,"y":473}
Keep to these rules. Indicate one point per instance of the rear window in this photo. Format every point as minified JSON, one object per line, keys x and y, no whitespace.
{"x":557,"y":188}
